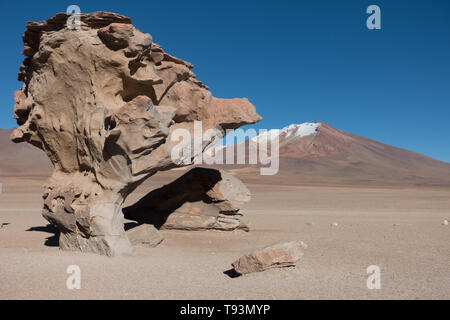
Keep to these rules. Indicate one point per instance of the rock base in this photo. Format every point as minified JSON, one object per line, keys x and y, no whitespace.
{"x":202,"y":199}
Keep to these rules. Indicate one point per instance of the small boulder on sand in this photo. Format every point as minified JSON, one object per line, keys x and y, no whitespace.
{"x":146,"y":235}
{"x":280,"y":255}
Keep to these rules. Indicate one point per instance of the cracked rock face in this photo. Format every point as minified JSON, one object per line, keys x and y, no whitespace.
{"x":202,"y":199}
{"x":102,"y":102}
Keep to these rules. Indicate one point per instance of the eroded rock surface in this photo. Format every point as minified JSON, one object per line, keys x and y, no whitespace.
{"x":201,"y":199}
{"x":103,"y":102}
{"x":280,"y":255}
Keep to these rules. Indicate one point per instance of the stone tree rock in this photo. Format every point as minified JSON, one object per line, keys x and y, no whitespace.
{"x":103,"y":102}
{"x":202,"y":199}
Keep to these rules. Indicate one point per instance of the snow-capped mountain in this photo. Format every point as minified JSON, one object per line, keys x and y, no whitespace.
{"x":291,"y":131}
{"x":318,"y":152}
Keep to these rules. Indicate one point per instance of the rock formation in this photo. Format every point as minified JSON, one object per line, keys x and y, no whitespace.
{"x":279,"y":255}
{"x":103,"y":101}
{"x":202,"y":199}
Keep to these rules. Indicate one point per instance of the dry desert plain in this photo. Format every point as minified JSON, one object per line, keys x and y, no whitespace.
{"x":398,"y":228}
{"x":104,"y":103}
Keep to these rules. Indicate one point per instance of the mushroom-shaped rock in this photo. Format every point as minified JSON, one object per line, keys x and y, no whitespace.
{"x":103,"y":101}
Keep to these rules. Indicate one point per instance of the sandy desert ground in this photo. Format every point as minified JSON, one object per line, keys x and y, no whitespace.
{"x":399,"y":229}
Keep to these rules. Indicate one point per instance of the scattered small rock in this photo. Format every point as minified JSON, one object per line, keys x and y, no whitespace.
{"x":310,"y":223}
{"x":445,"y":223}
{"x":276,"y":256}
{"x":145,"y":234}
{"x":334,"y":224}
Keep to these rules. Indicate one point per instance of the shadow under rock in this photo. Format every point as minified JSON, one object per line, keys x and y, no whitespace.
{"x":193,"y":186}
{"x":232,"y":273}
{"x":130,"y":225}
{"x":52,"y":241}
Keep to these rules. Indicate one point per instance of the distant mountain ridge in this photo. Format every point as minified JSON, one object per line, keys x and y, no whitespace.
{"x":310,"y":153}
{"x":22,"y":158}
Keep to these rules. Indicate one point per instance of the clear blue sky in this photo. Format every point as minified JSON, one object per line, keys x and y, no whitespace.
{"x":297,"y":61}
